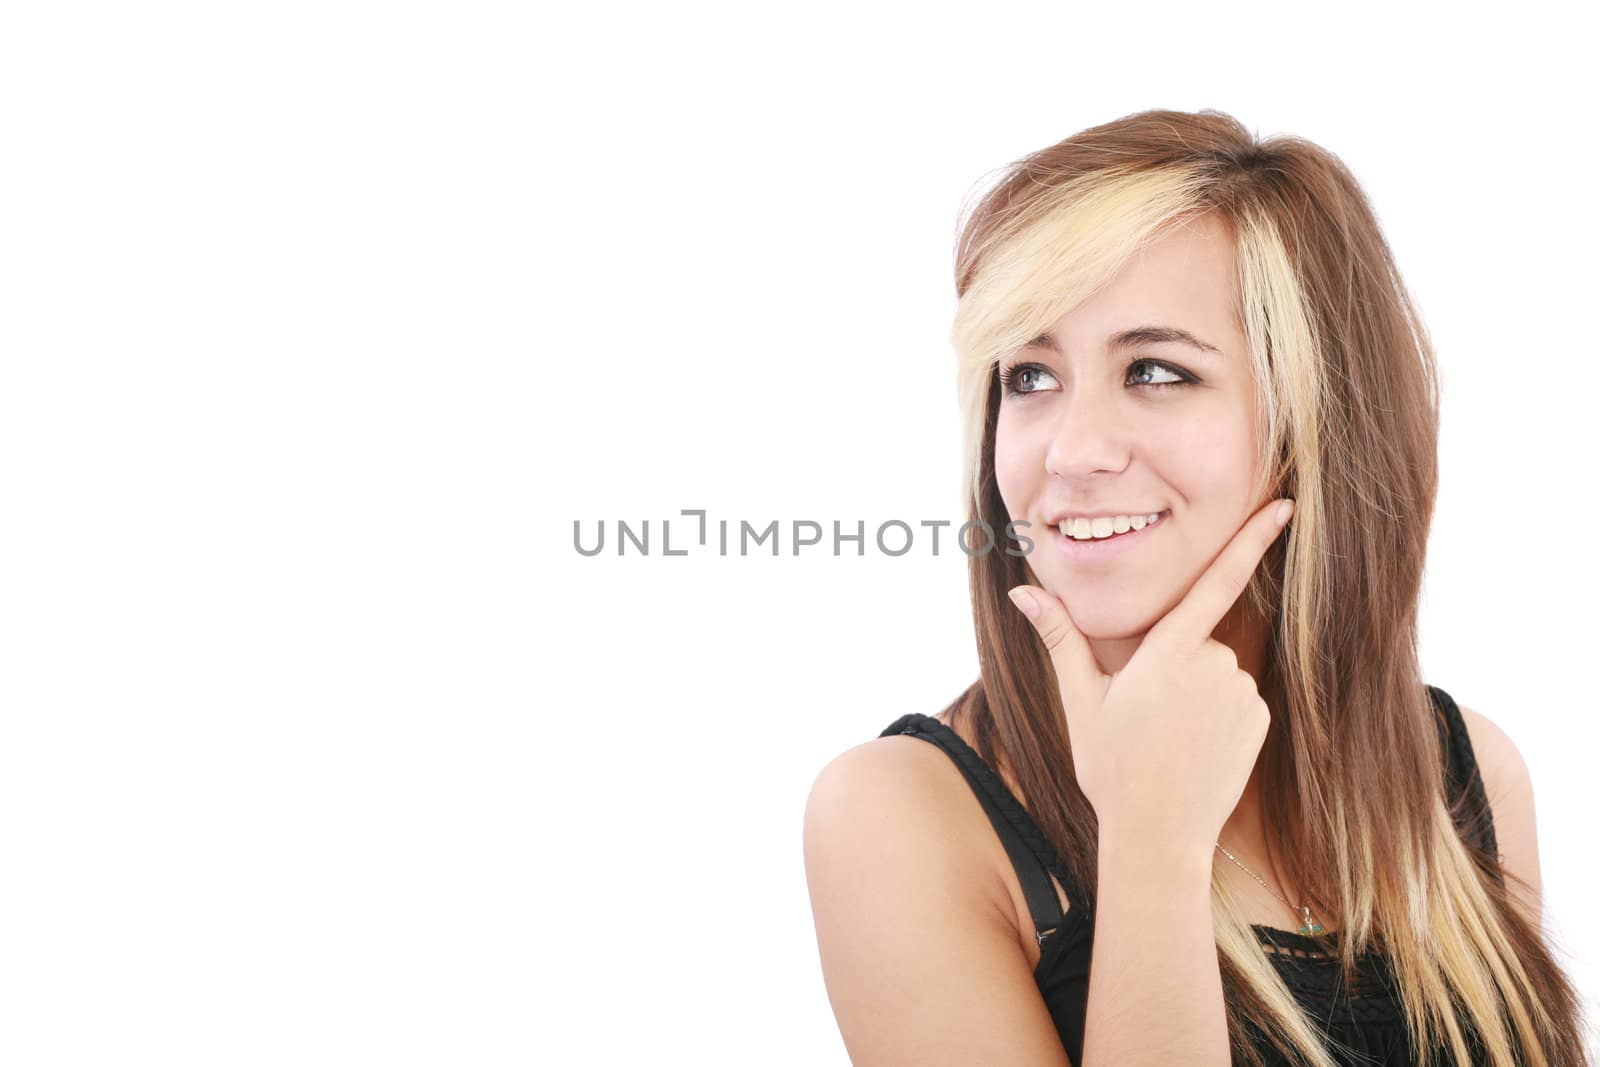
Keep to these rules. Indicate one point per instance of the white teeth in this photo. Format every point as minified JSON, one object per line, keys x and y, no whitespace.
{"x":1105,"y":526}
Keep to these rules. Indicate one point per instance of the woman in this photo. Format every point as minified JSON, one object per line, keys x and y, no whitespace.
{"x":1201,"y":748}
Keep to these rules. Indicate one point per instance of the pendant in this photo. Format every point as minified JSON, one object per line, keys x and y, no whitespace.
{"x":1308,"y":927}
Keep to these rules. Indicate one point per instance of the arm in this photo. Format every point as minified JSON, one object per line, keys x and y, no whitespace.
{"x":1155,"y":995}
{"x":1509,"y":787}
{"x":1162,"y":748}
{"x":921,"y":961}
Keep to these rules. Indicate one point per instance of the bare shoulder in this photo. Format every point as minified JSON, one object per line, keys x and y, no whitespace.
{"x":1505,"y":772}
{"x":919,"y":953}
{"x":1509,"y":786}
{"x":885,"y":768}
{"x":905,"y":795}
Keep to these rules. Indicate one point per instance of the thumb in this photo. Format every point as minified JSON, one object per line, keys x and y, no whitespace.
{"x":1076,"y":669}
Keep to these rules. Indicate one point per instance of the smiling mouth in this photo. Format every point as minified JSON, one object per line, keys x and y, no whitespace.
{"x":1161,"y":517}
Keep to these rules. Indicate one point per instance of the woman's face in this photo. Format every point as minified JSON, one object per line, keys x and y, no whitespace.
{"x":1090,"y":426}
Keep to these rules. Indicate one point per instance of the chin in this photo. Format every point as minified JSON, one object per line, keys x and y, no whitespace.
{"x":1108,"y":624}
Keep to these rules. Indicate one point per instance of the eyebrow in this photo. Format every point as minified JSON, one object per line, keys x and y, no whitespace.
{"x":1138,"y":335}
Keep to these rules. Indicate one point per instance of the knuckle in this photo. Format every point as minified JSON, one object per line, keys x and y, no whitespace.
{"x":1223,"y":657}
{"x":1052,"y":633}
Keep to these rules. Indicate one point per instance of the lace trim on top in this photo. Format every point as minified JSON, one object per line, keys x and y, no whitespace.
{"x":1311,"y":969}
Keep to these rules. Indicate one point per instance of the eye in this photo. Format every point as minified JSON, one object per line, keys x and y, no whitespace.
{"x":1023,"y":378}
{"x":1180,"y":377}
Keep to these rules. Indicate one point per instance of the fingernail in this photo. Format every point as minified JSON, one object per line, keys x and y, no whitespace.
{"x":1285,"y":509}
{"x":1024,"y":601}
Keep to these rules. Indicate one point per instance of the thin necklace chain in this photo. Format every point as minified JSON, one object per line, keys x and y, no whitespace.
{"x":1306,"y":924}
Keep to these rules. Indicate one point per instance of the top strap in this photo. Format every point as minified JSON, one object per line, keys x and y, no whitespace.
{"x":1031,"y":853}
{"x":1464,"y":789}
{"x":1035,"y":859}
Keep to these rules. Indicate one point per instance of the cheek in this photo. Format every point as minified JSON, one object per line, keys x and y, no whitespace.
{"x":1018,"y":465}
{"x":1211,"y":459}
{"x":1213,"y":478}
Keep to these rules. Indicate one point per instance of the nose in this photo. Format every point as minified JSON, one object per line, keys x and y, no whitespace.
{"x":1090,"y":436}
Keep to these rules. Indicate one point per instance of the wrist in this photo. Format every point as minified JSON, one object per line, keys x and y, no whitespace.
{"x":1184,"y":857}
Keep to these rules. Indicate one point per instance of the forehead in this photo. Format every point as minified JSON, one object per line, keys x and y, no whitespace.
{"x":1186,"y":277}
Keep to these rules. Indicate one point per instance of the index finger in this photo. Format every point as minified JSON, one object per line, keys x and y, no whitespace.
{"x":1216,"y":590}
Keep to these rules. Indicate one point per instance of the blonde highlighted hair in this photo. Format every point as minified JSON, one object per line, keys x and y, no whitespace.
{"x":1347,"y":394}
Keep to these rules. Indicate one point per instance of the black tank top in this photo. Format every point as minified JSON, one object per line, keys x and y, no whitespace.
{"x":1364,"y":1020}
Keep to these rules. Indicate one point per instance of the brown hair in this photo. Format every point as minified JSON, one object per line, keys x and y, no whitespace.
{"x":1347,"y":389}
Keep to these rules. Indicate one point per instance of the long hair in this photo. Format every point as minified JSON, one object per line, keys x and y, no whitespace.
{"x":1347,"y":394}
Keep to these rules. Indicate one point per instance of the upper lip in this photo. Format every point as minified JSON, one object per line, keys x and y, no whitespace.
{"x":1062,"y":516}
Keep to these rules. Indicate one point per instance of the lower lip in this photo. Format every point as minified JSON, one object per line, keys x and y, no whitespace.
{"x":1106,"y":549}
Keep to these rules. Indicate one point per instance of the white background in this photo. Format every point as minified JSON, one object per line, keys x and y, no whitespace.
{"x":323,"y":322}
